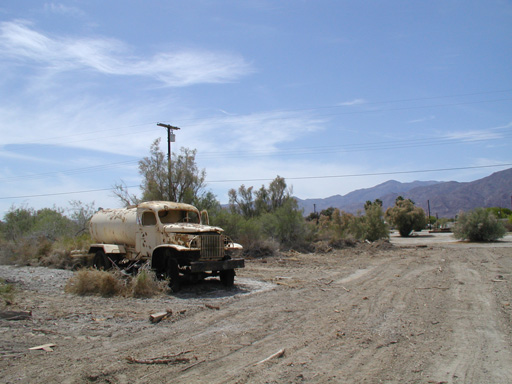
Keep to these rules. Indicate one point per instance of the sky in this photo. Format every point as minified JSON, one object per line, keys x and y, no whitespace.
{"x":332,"y":95}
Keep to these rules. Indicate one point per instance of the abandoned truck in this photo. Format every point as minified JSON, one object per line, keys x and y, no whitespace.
{"x":176,"y":238}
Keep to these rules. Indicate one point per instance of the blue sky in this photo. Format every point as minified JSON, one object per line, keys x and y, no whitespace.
{"x":334,"y":96}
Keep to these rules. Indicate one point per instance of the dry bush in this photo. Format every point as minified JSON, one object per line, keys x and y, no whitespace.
{"x":145,"y":284}
{"x":91,"y":281}
{"x":260,"y":248}
{"x":343,"y":242}
{"x":95,"y":282}
{"x":58,"y":259}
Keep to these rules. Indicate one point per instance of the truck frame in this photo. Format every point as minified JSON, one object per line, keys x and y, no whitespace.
{"x":175,"y":238}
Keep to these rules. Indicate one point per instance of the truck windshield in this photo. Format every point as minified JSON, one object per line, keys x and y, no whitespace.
{"x":178,"y":216}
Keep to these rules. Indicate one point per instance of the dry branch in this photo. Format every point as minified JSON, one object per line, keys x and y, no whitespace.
{"x":192,"y":365}
{"x":168,"y":359}
{"x":157,"y":317}
{"x":15,"y":315}
{"x":45,"y":347}
{"x":279,"y":353}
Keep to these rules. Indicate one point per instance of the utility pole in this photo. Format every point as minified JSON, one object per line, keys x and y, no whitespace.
{"x":171,"y":137}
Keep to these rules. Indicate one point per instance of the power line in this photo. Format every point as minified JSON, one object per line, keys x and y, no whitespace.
{"x":367,"y":174}
{"x":270,"y":179}
{"x":297,"y":151}
{"x":318,"y":108}
{"x":73,"y":171}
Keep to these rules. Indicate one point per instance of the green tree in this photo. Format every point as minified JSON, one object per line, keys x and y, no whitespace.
{"x":250,"y":204}
{"x":22,"y":223}
{"x":18,"y":222}
{"x":241,"y":202}
{"x":500,"y":213}
{"x":478,"y":225}
{"x":81,"y":214}
{"x":188,"y":181}
{"x":406,"y":217}
{"x":53,"y":224}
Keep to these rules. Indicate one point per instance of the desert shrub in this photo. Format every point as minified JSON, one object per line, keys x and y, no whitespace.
{"x":508,"y":223}
{"x":478,"y":225}
{"x":69,"y":243}
{"x":373,"y":225}
{"x":406,"y":217}
{"x":95,"y":282}
{"x":42,"y":237}
{"x":25,"y":251}
{"x":6,"y":292}
{"x":286,"y":225}
{"x":145,"y":284}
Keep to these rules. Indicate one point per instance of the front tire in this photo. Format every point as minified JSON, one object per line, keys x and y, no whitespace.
{"x":173,"y":273}
{"x":227,"y":278}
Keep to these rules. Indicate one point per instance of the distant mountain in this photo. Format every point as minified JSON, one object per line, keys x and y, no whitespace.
{"x":446,"y":198}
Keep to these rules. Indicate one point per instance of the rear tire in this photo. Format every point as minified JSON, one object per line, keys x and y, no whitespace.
{"x":101,"y":261}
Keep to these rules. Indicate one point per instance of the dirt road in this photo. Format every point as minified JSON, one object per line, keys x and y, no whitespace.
{"x":425,"y":310}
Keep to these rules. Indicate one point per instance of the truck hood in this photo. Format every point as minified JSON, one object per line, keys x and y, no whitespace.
{"x":190,"y":228}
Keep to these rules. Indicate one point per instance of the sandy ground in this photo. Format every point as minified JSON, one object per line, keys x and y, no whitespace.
{"x":422,"y":310}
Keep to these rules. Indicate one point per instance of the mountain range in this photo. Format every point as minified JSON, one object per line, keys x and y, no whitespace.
{"x":446,"y":199}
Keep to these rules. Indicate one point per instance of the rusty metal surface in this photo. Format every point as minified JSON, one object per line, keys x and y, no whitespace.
{"x":114,"y":226}
{"x":143,"y":228}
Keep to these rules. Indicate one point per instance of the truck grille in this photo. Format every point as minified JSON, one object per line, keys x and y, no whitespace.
{"x":212,"y":247}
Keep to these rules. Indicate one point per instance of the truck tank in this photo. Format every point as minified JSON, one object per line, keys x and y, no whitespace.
{"x":114,"y":226}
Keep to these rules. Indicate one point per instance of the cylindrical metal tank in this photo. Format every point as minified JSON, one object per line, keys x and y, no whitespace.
{"x":114,"y":226}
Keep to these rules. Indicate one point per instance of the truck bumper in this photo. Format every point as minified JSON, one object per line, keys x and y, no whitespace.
{"x":222,"y":265}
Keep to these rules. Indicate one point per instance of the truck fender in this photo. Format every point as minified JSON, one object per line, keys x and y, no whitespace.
{"x":175,"y":247}
{"x":107,"y":248}
{"x":234,"y":246}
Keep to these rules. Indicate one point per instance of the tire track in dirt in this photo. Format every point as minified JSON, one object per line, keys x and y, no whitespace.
{"x":360,"y":315}
{"x":478,"y":342}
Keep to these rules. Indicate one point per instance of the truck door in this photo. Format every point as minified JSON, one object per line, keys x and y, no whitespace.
{"x":147,"y":234}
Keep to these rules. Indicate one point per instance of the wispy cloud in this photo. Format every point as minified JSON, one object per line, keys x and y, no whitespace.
{"x":421,"y":120}
{"x":110,"y":56}
{"x":352,"y":102}
{"x":62,"y":9}
{"x":481,"y":134}
{"x":256,"y":132}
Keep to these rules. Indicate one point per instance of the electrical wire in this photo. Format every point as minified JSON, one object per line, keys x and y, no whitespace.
{"x":297,"y":151}
{"x":270,"y":179}
{"x":200,"y":121}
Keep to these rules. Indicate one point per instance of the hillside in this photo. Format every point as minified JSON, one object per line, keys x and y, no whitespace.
{"x":446,"y":198}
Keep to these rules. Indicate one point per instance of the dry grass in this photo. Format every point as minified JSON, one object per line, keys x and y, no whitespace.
{"x":91,"y":281}
{"x":145,"y":284}
{"x":94,"y":282}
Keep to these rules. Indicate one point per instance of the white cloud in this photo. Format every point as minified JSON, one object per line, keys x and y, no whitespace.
{"x":59,"y":8}
{"x":474,"y":135}
{"x":110,"y":56}
{"x":421,"y":119}
{"x":352,"y":102}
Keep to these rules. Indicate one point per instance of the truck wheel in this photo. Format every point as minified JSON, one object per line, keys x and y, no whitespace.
{"x":173,"y":273}
{"x":101,"y":261}
{"x":227,"y":278}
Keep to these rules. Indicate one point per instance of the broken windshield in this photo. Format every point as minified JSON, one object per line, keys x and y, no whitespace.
{"x":178,"y":216}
